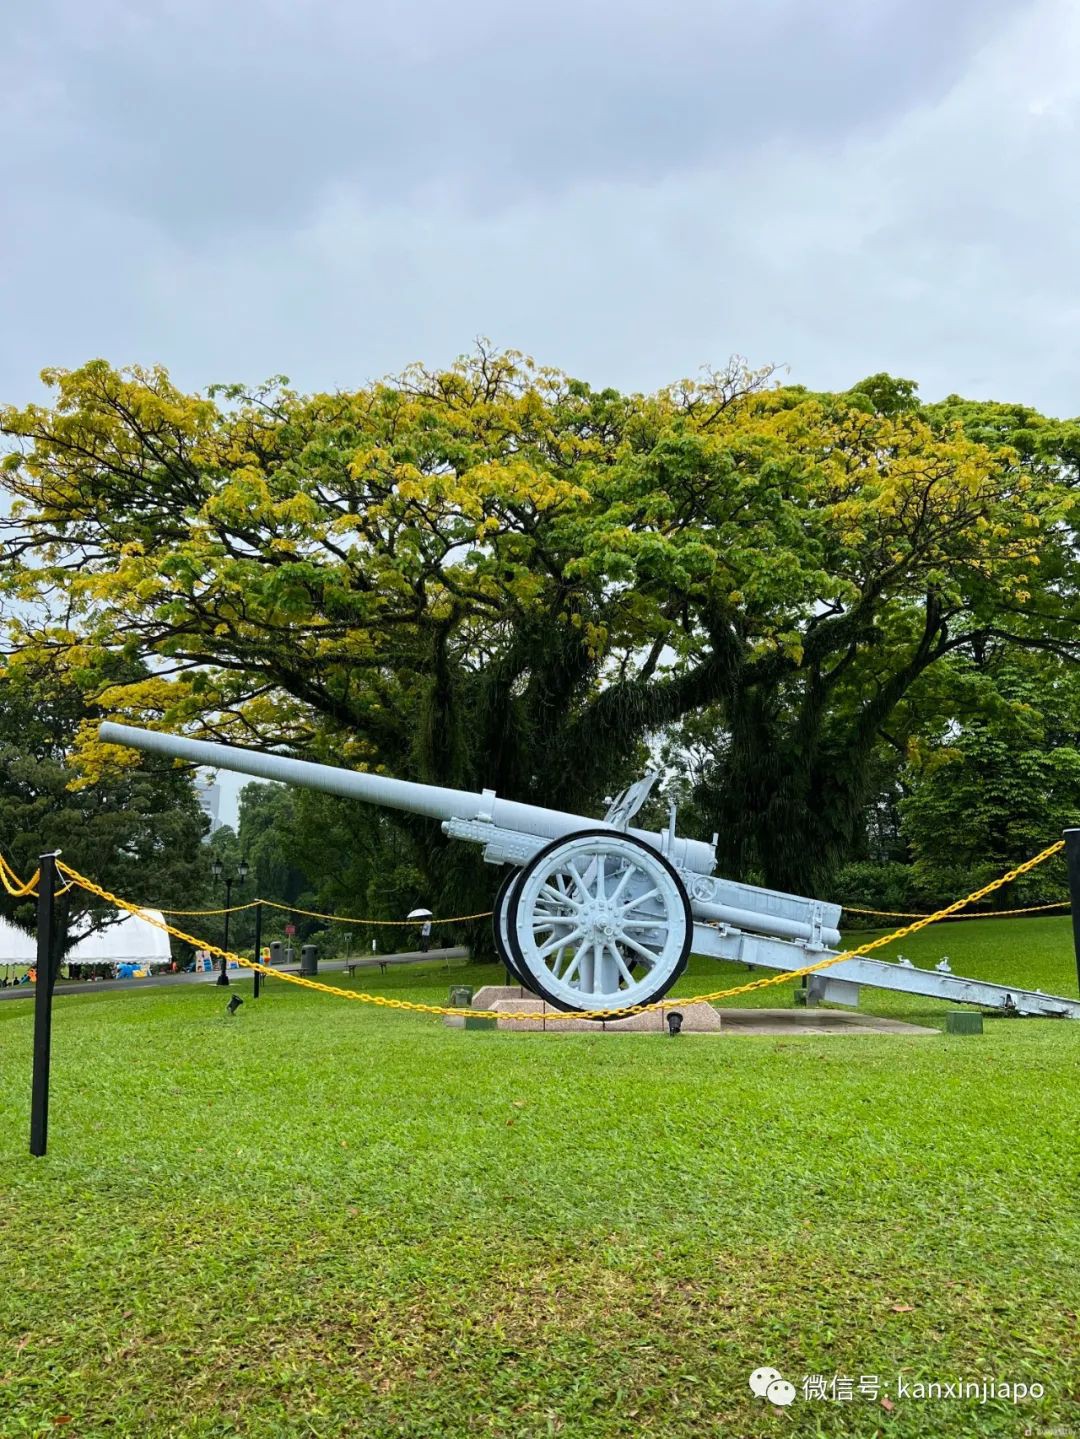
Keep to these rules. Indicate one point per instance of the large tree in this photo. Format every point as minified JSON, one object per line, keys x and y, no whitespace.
{"x":995,"y":774}
{"x":136,"y":830}
{"x":497,"y":576}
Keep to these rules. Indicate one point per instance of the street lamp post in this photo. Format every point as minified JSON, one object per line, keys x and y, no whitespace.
{"x":217,"y":870}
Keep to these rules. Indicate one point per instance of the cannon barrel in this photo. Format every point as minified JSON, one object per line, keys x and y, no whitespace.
{"x":434,"y":801}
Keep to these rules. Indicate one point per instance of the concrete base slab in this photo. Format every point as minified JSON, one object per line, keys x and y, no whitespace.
{"x":552,"y":1020}
{"x":700,"y":1018}
{"x":490,"y":994}
{"x":697,"y":1018}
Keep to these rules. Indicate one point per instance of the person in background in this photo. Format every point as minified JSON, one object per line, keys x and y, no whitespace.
{"x":425,"y":936}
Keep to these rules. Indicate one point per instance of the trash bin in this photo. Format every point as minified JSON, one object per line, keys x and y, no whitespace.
{"x":309,"y":959}
{"x":276,"y":951}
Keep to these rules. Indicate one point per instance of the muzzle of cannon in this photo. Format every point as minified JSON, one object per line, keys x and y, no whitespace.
{"x":592,"y":913}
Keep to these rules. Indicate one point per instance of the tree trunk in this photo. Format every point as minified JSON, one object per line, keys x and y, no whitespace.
{"x":785,"y":799}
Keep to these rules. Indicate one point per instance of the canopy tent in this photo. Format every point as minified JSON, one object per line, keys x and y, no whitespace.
{"x":131,"y":940}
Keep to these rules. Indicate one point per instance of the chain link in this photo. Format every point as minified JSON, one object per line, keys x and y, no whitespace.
{"x":14,"y":885}
{"x":392,"y":923}
{"x":335,"y":918}
{"x":414,"y":1006}
{"x":232,"y":909}
{"x":982,"y":913}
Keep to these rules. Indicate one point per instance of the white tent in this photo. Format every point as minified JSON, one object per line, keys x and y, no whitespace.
{"x":131,"y":940}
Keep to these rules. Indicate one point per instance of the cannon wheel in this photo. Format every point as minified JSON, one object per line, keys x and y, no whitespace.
{"x":499,"y":928}
{"x":588,"y":905}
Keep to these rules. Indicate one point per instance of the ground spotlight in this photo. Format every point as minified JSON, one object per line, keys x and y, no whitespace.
{"x":233,"y":1004}
{"x":674,"y":1023}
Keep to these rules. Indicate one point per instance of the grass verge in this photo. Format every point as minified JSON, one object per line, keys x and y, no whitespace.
{"x":322,"y":1219}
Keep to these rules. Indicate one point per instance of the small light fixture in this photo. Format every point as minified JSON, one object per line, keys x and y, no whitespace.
{"x":242,"y":871}
{"x":674,"y":1022}
{"x":215,"y":867}
{"x":233,"y":1004}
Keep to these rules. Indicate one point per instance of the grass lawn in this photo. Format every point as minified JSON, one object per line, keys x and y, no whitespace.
{"x":325,"y":1219}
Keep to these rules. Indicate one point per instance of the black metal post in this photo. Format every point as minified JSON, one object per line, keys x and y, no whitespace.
{"x":258,"y":947}
{"x":43,"y":995}
{"x":223,"y":977}
{"x":1072,"y":860}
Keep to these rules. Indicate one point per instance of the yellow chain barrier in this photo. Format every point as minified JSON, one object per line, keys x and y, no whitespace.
{"x":386,"y":1002}
{"x":18,"y":890}
{"x":486,"y":913}
{"x":317,"y":914}
{"x":982,"y":913}
{"x":14,"y":885}
{"x":232,"y":909}
{"x":341,"y":919}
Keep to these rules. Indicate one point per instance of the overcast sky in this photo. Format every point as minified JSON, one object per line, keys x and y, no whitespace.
{"x":625,"y":190}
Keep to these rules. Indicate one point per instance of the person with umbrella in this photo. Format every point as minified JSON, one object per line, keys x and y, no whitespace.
{"x":423,"y":915}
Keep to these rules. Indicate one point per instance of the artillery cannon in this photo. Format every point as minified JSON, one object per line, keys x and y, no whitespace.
{"x":595,"y":914}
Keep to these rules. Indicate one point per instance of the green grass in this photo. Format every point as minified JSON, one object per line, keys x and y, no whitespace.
{"x":325,"y":1219}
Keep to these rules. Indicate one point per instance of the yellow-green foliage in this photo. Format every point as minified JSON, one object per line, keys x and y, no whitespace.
{"x":485,"y":571}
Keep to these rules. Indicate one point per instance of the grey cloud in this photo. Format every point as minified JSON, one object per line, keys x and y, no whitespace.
{"x":209,"y":116}
{"x":926,"y":223}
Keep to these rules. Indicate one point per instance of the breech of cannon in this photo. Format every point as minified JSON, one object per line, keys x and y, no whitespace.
{"x":774,"y":925}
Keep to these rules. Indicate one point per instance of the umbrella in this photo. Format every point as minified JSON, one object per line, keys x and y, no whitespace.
{"x":418,"y":914}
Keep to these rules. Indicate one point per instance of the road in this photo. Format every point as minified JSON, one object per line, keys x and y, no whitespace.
{"x":236,"y":976}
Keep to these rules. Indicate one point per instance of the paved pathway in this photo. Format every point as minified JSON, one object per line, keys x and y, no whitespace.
{"x":236,"y":976}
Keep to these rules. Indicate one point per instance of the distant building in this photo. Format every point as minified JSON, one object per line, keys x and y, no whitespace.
{"x":209,"y":795}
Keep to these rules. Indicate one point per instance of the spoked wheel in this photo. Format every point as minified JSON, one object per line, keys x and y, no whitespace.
{"x":499,"y":928}
{"x":599,"y":920}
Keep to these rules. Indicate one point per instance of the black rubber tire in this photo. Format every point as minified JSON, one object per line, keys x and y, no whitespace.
{"x":537,"y":985}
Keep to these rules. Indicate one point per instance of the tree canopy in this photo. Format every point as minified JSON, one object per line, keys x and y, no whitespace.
{"x":999,"y":776}
{"x":496,"y":576}
{"x":138,"y":830}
